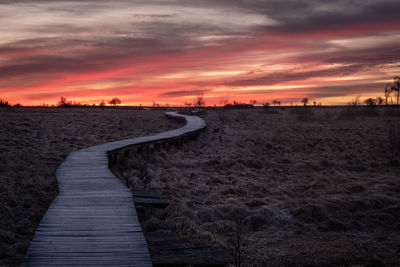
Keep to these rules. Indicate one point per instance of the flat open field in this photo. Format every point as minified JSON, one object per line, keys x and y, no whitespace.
{"x":304,"y":187}
{"x":33,"y":142}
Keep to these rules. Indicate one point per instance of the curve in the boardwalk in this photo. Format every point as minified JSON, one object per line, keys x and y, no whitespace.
{"x":93,"y":221}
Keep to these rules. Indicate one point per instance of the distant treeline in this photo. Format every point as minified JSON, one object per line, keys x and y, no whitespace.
{"x":237,"y":105}
{"x":4,"y":103}
{"x":64,"y":102}
{"x":391,"y":98}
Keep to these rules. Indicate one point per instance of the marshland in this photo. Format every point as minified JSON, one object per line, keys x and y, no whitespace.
{"x":316,"y":186}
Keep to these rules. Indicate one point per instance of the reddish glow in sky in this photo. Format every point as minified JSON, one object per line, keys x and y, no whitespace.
{"x":171,"y":51}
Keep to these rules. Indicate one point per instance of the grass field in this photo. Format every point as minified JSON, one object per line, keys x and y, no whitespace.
{"x":300,"y":186}
{"x":314,"y":186}
{"x":33,"y":142}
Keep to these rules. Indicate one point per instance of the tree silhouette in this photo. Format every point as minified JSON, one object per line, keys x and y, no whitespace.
{"x":305,"y":101}
{"x":266,"y":105}
{"x":355,"y":101}
{"x":4,"y":103}
{"x":199,"y":101}
{"x":379,"y":101}
{"x":102,"y":104}
{"x":63,"y":102}
{"x":395,"y":87}
{"x":115,"y":101}
{"x":276,"y":102}
{"x":371,"y":102}
{"x":388,"y":91}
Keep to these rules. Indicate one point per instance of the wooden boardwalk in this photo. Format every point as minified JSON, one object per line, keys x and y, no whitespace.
{"x":93,"y":220}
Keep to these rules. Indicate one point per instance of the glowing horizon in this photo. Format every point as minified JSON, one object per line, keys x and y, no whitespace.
{"x":145,"y":52}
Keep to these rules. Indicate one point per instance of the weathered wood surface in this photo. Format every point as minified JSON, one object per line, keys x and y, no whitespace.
{"x":170,"y":250}
{"x":149,"y":198}
{"x":93,"y":220}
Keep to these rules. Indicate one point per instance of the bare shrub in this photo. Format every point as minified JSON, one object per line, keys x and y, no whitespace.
{"x":4,"y":103}
{"x":371,"y":102}
{"x":355,"y":101}
{"x":235,"y":239}
{"x":64,"y":102}
{"x":305,"y":101}
{"x":276,"y":102}
{"x":102,"y":104}
{"x":144,"y":175}
{"x":221,"y":115}
{"x":199,"y":101}
{"x":139,"y":165}
{"x":267,"y":108}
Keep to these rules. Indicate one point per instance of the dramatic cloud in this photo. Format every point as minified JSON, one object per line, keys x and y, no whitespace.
{"x":171,"y":51}
{"x":184,"y":93}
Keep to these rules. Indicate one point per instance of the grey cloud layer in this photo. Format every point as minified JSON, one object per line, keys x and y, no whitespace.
{"x":100,"y":35}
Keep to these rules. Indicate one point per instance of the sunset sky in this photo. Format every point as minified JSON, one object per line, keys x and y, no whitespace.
{"x":170,"y":51}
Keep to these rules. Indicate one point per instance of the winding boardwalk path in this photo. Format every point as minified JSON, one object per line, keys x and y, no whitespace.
{"x":93,"y":220}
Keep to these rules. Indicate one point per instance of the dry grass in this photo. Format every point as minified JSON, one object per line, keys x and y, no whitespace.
{"x":317,"y":190}
{"x":310,"y":189}
{"x":33,"y":142}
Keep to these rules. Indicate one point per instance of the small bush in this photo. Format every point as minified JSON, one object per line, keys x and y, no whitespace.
{"x":64,"y":102}
{"x":4,"y":103}
{"x":237,"y":105}
{"x":144,"y":175}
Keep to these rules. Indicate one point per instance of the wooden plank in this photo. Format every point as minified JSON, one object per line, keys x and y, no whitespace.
{"x":146,"y":194}
{"x":93,"y":221}
{"x":171,"y":250}
{"x":151,"y":202}
{"x":149,"y":198}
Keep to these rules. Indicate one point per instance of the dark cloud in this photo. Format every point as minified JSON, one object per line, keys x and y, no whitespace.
{"x":305,"y":15}
{"x":341,"y":90}
{"x":292,"y":15}
{"x":184,"y":93}
{"x":46,"y":65}
{"x":80,"y":56}
{"x":318,"y":92}
{"x":281,"y":77}
{"x":372,"y":56}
